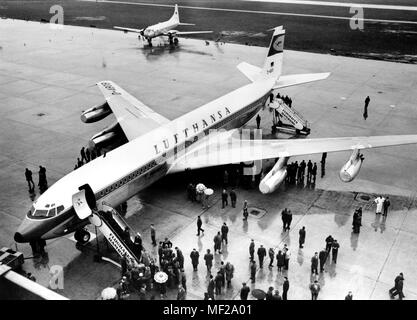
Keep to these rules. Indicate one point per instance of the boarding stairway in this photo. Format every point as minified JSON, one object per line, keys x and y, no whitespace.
{"x":112,"y":226}
{"x":110,"y":223}
{"x":296,"y":123}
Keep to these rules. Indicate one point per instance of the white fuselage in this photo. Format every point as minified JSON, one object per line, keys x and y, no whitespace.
{"x":123,"y":172}
{"x":159,"y":29}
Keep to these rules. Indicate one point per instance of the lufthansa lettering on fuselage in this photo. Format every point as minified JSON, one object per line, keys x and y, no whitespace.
{"x":195,"y":128}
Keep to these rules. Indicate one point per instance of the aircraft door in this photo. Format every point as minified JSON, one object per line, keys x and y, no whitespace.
{"x":84,"y":202}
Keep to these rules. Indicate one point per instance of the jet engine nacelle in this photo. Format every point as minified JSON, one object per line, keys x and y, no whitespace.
{"x":96,"y":113}
{"x":351,"y":169}
{"x":107,"y":136}
{"x":274,"y":177}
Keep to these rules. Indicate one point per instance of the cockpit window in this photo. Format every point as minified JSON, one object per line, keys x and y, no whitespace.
{"x":45,"y":213}
{"x":59,"y":209}
{"x":51,"y":212}
{"x":40,"y":213}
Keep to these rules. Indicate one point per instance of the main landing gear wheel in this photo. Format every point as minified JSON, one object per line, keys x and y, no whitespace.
{"x":82,"y":236}
{"x":176,"y":41}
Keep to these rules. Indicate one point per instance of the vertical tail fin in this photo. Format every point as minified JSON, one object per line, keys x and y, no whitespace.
{"x":175,"y":16}
{"x":273,"y":62}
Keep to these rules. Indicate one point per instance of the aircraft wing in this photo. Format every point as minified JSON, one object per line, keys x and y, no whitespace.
{"x":183,"y":33}
{"x":221,"y":150}
{"x":134,"y":117}
{"x":129,"y":29}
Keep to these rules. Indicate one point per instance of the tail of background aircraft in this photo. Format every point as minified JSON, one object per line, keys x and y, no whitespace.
{"x":175,"y":17}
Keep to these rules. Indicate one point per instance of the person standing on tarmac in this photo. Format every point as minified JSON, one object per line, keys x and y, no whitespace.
{"x":199,"y":224}
{"x":233,"y":198}
{"x":225,"y":231}
{"x":258,"y":121}
{"x":28,"y":175}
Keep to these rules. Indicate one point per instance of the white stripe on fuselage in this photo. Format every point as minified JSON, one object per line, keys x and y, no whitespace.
{"x":119,"y":163}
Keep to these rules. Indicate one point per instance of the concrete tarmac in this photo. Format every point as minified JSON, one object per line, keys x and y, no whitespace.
{"x":47,"y":78}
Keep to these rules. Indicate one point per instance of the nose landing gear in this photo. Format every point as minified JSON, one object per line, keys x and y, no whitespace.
{"x":82,"y":236}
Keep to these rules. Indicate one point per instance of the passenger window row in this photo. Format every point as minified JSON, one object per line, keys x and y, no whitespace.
{"x":128,"y":178}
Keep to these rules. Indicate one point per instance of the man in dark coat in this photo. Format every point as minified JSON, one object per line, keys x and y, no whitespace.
{"x":271,"y":254}
{"x":208,"y":257}
{"x":194,"y":258}
{"x":253,"y":271}
{"x":180,"y":257}
{"x":385,"y":206}
{"x":284,"y":218}
{"x":323,"y":164}
{"x":314,"y":172}
{"x":322,"y":258}
{"x":335,"y":250}
{"x":315,"y":289}
{"x":261,"y":255}
{"x":329,"y":242}
{"x":218,"y":283}
{"x":302,"y":170}
{"x":88,"y":155}
{"x":225,"y":231}
{"x":28,"y":175}
{"x":309,"y":170}
{"x":217,"y":242}
{"x":398,"y":287}
{"x":199,"y":224}
{"x":315,"y":263}
{"x":244,"y":292}
{"x":357,"y":220}
{"x":258,"y":121}
{"x":289,"y":219}
{"x":252,"y":249}
{"x":153,"y":235}
{"x":285,"y":288}
{"x":83,"y":157}
{"x":302,"y":238}
{"x":224,"y":198}
{"x":210,"y":288}
{"x":191,"y":192}
{"x":233,"y":198}
{"x":123,"y":263}
{"x":269,"y":294}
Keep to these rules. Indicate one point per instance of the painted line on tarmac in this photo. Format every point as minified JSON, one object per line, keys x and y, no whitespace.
{"x":341,"y":4}
{"x":253,"y":11}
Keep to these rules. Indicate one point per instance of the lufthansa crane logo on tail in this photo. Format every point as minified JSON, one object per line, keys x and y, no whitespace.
{"x":277,"y":45}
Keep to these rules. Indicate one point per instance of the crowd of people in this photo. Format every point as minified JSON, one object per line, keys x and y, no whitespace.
{"x":138,"y":275}
{"x":296,"y":172}
{"x":87,"y":155}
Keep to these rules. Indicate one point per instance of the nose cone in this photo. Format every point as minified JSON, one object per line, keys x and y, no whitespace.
{"x":29,"y":230}
{"x":19,"y":238}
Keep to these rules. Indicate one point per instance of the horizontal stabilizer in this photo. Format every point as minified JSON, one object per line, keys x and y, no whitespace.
{"x":295,"y":79}
{"x":249,"y":70}
{"x":186,"y":24}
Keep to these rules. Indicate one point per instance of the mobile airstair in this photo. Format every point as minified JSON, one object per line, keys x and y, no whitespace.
{"x":295,"y":123}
